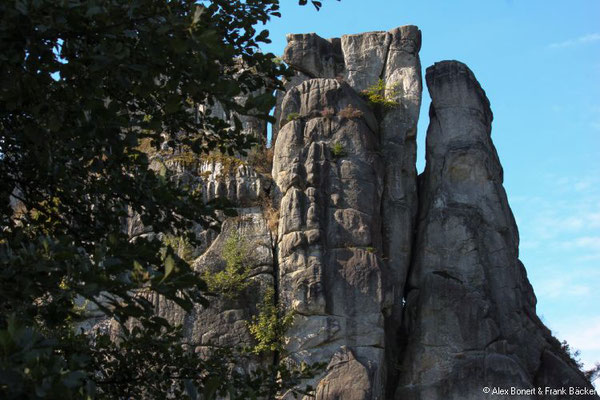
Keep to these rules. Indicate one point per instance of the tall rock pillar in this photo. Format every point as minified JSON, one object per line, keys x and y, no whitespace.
{"x":470,"y":314}
{"x":346,"y":174}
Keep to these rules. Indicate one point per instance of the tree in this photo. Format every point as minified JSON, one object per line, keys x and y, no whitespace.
{"x":83,"y":84}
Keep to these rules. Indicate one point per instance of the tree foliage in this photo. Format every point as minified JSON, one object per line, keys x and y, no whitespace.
{"x":83,"y":84}
{"x":380,"y":94}
{"x":270,"y":325}
{"x":575,"y":357}
{"x":231,"y":281}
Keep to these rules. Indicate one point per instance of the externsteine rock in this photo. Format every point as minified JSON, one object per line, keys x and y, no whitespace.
{"x":401,"y":295}
{"x":331,"y":273}
{"x":364,"y":61}
{"x":470,"y":310}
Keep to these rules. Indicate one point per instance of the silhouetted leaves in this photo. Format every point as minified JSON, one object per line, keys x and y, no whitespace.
{"x":82,"y":83}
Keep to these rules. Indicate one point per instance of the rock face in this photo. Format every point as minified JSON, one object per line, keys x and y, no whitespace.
{"x":224,"y":323}
{"x":385,"y":188}
{"x":330,"y":270}
{"x":402,"y":295}
{"x":470,"y":310}
{"x":363,"y":61}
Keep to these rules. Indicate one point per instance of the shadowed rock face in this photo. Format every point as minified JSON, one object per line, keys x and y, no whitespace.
{"x":470,"y":318}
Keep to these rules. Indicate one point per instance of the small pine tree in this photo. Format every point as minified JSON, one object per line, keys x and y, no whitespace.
{"x":380,"y":94}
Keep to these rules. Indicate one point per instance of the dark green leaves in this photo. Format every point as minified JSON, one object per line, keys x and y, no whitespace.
{"x":263,"y":36}
{"x":316,"y":4}
{"x":84,"y":86}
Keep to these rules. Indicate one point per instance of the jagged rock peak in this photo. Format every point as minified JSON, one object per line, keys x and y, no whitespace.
{"x":356,"y":56}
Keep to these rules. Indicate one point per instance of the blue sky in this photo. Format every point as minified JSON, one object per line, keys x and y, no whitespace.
{"x":539,"y":62}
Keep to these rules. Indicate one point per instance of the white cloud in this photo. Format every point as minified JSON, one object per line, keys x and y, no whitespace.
{"x":560,"y":288}
{"x":590,"y":38}
{"x":584,"y":334}
{"x":585,"y":242}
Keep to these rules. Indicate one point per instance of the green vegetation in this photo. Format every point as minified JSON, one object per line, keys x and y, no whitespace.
{"x":88,"y":89}
{"x":338,"y":150}
{"x":380,"y":94}
{"x":574,"y":357}
{"x":270,"y":325}
{"x":181,"y":245}
{"x":233,"y":279}
{"x":292,"y":116}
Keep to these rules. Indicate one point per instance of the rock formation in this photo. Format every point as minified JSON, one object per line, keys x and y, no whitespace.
{"x":364,"y":202}
{"x":470,"y":310}
{"x":403,"y":295}
{"x":330,"y":272}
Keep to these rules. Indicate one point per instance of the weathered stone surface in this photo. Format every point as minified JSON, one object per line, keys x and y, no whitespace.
{"x":470,"y":311}
{"x":224,"y":322}
{"x":346,"y":378}
{"x":365,"y":57}
{"x":329,"y":175}
{"x":557,"y":373}
{"x":290,"y":83}
{"x":314,"y":56}
{"x":214,"y":176}
{"x":344,"y":183}
{"x":391,"y":57}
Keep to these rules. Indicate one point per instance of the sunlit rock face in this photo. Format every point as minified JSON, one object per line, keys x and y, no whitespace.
{"x":358,"y":209}
{"x":331,"y":274}
{"x":389,"y":60}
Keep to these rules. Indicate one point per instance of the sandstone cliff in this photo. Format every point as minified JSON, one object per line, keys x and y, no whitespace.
{"x":405,"y":290}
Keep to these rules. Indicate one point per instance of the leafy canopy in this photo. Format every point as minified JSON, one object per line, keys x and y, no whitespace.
{"x":82,"y":84}
{"x":270,"y":325}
